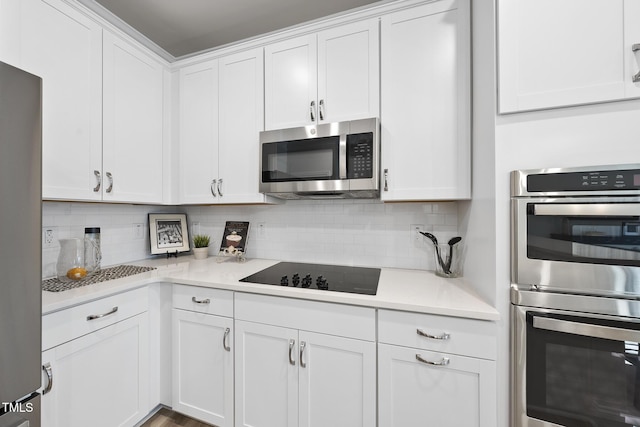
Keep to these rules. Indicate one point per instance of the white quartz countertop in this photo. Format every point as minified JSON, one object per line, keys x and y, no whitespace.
{"x":398,"y":289}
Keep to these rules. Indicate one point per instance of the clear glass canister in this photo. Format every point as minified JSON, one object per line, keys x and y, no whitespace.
{"x":92,"y":253}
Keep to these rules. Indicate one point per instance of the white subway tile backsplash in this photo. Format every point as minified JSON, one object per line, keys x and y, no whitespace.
{"x":350,"y":232}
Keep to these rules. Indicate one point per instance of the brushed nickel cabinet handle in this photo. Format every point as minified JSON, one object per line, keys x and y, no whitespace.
{"x":98,"y":181}
{"x":386,"y":180}
{"x":225,"y":338}
{"x":291,"y":344}
{"x":321,"y":109}
{"x":49,"y":371}
{"x":443,"y":362}
{"x":110,"y":178}
{"x":220,"y":187}
{"x":200,"y":301}
{"x":636,"y":77}
{"x":302,"y":346}
{"x":212,"y":187}
{"x":443,"y":337}
{"x":312,"y":112}
{"x":100,"y":316}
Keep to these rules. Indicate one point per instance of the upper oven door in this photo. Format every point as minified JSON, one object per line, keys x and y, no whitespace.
{"x":577,"y":245}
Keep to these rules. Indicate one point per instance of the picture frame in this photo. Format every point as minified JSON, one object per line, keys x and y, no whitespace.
{"x":168,"y":234}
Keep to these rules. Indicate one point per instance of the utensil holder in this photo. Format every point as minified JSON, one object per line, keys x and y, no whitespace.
{"x":449,"y":260}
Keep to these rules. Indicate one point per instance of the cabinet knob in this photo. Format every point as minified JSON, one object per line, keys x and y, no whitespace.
{"x":302,"y":346}
{"x":321,"y":109}
{"x":225,"y":339}
{"x":220,"y":187}
{"x":445,"y":336}
{"x":386,"y":180}
{"x":636,"y":77}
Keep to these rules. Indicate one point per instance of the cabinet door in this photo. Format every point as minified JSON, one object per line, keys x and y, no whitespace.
{"x":241,"y":101}
{"x":10,"y":32}
{"x":550,"y":54}
{"x":132,"y":124}
{"x":199,"y":133}
{"x":203,"y":367}
{"x":100,"y":379}
{"x":632,"y":57}
{"x":337,"y":381}
{"x":426,"y":102}
{"x":349,"y":72}
{"x":461,"y":393}
{"x":64,"y":47}
{"x":266,"y":375}
{"x":291,"y":83}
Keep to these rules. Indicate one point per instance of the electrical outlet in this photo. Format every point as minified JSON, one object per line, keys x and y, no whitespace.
{"x":416,"y":237}
{"x":138,"y":231}
{"x":195,"y":228}
{"x":262,"y":230}
{"x":49,"y":237}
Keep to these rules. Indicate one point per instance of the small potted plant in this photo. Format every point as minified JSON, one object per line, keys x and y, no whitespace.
{"x":201,"y":246}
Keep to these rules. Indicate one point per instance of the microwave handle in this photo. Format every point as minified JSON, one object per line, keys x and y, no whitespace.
{"x":343,"y":156}
{"x":587,"y":330}
{"x":587,"y":209}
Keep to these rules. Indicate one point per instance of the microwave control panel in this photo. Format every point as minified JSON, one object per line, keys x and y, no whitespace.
{"x":360,"y":155}
{"x":585,"y":181}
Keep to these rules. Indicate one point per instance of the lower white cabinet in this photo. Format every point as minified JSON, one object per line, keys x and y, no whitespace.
{"x":288,"y":377}
{"x":203,"y":354}
{"x":100,"y":379}
{"x":430,"y":372}
{"x":203,"y":367}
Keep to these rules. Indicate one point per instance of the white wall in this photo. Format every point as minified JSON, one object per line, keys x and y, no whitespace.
{"x":364,"y":233}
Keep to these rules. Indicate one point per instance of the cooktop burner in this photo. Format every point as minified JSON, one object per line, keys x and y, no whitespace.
{"x":337,"y":278}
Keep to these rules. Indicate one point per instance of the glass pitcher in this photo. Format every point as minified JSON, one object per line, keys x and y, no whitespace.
{"x":70,"y":264}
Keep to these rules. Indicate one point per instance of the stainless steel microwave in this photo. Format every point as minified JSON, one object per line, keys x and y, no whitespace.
{"x":331,"y":160}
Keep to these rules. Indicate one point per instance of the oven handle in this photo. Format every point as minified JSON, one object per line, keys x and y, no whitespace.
{"x":588,"y":209}
{"x":343,"y":156}
{"x":587,"y":330}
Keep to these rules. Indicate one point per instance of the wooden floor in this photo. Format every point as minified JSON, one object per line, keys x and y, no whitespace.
{"x":167,"y":418}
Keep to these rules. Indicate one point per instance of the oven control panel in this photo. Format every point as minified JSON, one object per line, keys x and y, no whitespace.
{"x":585,"y":181}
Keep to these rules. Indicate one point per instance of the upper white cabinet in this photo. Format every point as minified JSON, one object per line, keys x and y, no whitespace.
{"x":132,"y":128}
{"x":425,"y":109}
{"x":555,"y":53}
{"x":64,"y":47}
{"x":325,"y":77}
{"x":221,"y":115}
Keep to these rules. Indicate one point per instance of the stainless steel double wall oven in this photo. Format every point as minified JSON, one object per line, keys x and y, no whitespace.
{"x":575,"y":297}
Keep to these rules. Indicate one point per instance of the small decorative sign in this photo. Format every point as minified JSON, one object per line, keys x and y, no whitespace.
{"x":234,"y":238}
{"x":168,"y":233}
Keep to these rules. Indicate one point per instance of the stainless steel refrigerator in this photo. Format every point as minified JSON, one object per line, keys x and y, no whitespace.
{"x":20,"y":247}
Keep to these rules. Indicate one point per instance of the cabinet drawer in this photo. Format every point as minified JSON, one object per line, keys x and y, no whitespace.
{"x":203,"y":300}
{"x":467,"y":337}
{"x":322,"y":317}
{"x":65,"y":325}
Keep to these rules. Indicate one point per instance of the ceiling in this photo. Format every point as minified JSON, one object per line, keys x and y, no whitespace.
{"x":184,"y":27}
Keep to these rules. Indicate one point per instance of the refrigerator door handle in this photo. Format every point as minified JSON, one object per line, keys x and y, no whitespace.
{"x":49,"y":371}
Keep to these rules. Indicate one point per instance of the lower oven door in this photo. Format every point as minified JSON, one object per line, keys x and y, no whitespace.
{"x":574,"y":370}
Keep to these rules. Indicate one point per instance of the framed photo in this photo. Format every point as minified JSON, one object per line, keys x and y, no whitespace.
{"x":168,"y":233}
{"x":234,"y":238}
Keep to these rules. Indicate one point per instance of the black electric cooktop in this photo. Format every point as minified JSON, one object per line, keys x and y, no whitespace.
{"x":337,"y":278}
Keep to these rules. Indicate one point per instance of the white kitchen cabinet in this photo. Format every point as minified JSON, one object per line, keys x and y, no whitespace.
{"x":132,"y":124}
{"x":64,"y":47}
{"x":221,"y":115}
{"x":203,"y":350}
{"x":100,"y":379}
{"x":425,"y":109}
{"x":436,"y":369}
{"x":325,"y":77}
{"x":292,"y":370}
{"x":551,"y":55}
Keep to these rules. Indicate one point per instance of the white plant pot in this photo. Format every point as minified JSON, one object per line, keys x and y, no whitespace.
{"x":200,"y":253}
